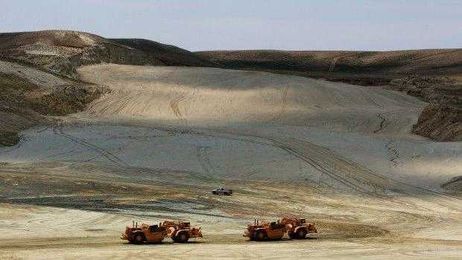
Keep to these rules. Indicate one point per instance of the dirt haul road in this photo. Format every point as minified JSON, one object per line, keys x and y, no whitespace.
{"x":155,"y":146}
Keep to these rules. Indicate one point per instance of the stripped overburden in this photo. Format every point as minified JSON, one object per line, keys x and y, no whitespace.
{"x":97,"y":133}
{"x":435,"y":76}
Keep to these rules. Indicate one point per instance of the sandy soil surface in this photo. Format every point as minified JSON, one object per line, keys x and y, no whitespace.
{"x":155,"y":146}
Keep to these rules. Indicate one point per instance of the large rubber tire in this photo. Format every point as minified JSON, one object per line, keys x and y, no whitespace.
{"x":301,"y":233}
{"x":181,"y":237}
{"x":260,"y":236}
{"x":292,"y":235}
{"x":139,"y":238}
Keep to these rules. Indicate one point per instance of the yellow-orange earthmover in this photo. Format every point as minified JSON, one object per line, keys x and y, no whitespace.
{"x":144,"y":233}
{"x":261,"y":231}
{"x":181,"y":231}
{"x":297,"y":228}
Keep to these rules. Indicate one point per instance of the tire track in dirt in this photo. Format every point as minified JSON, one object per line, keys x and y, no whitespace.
{"x":381,"y":124}
{"x":174,"y":105}
{"x":58,"y":130}
{"x":344,"y":172}
{"x":357,"y":176}
{"x":348,"y":173}
{"x":202,"y":153}
{"x":393,"y":153}
{"x":55,"y":242}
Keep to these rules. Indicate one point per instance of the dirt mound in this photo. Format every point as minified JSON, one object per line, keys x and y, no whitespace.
{"x":61,"y":52}
{"x":217,"y":97}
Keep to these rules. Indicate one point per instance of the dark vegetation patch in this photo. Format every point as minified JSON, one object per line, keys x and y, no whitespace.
{"x":424,"y":62}
{"x":441,"y":120}
{"x":168,"y":54}
{"x":8,"y":138}
{"x":454,"y":185}
{"x":23,"y":104}
{"x":66,"y":100}
{"x":431,"y":89}
{"x":13,"y":90}
{"x":18,"y":94}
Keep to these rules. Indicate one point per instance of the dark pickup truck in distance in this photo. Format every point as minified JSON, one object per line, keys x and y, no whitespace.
{"x":222,"y":191}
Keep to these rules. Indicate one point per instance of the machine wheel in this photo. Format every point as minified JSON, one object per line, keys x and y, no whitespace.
{"x":260,"y":236}
{"x":292,"y":235}
{"x":181,"y":237}
{"x":301,"y":233}
{"x":138,"y":238}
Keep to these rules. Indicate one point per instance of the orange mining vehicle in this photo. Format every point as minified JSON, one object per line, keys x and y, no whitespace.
{"x":297,"y":228}
{"x":260,"y":231}
{"x":144,"y":233}
{"x":181,"y":231}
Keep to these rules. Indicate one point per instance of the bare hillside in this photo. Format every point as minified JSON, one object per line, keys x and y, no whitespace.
{"x":38,"y":75}
{"x":168,"y":54}
{"x":60,"y":52}
{"x":367,"y":67}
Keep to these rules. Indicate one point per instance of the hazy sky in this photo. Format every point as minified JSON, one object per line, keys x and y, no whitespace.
{"x":251,"y":24}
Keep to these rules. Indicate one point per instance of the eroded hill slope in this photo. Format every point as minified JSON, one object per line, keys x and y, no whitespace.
{"x":60,"y":52}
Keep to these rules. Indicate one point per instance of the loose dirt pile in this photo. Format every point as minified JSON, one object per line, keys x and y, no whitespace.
{"x":216,"y":97}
